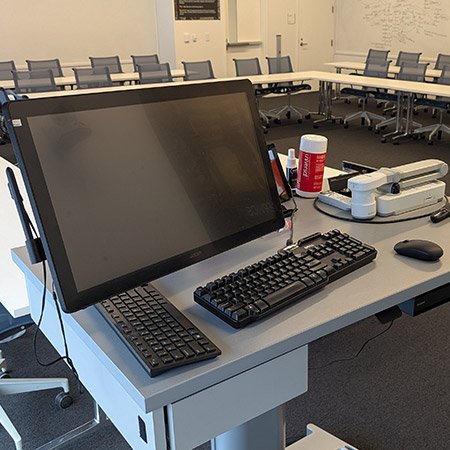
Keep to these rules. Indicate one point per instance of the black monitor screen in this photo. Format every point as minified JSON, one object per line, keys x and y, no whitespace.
{"x":129,"y":186}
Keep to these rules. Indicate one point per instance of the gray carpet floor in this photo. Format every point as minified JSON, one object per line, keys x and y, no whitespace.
{"x":394,"y":396}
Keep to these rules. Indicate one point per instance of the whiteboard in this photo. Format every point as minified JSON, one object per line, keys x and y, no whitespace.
{"x":73,"y":30}
{"x":408,"y":25}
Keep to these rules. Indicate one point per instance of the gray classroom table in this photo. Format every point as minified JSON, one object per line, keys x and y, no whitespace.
{"x":262,"y":366}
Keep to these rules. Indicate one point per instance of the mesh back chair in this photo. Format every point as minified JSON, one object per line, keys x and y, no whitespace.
{"x":6,"y":68}
{"x":154,"y":73}
{"x":53,"y":64}
{"x":373,"y":68}
{"x":198,"y":70}
{"x":144,"y":59}
{"x":408,"y":72}
{"x":283,"y":64}
{"x":407,"y":57}
{"x":439,"y":103}
{"x":377,"y":55}
{"x":251,"y":66}
{"x":26,"y":82}
{"x":111,"y":62}
{"x":92,"y":77}
{"x":441,"y":61}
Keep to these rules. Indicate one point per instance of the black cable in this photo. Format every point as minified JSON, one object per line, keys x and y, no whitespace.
{"x":357,"y":353}
{"x":65,"y":357}
{"x":395,"y":219}
{"x":290,"y":241}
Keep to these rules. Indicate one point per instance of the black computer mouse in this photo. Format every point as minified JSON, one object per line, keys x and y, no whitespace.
{"x":419,"y":249}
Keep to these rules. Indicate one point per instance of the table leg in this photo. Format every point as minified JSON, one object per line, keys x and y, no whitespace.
{"x":265,"y":432}
{"x":325,"y":103}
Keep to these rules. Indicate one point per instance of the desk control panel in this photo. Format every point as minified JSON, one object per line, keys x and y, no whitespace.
{"x":260,"y":289}
{"x":157,"y":333}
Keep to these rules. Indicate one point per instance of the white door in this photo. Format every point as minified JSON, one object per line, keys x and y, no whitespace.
{"x":316,"y":31}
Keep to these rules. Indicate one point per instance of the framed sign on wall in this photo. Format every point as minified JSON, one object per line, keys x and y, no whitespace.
{"x":197,"y":9}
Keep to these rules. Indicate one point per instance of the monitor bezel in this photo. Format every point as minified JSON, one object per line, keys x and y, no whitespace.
{"x":70,"y":298}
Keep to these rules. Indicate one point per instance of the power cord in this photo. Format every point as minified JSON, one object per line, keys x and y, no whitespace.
{"x":290,"y":241}
{"x":351,"y":358}
{"x":66,"y":356}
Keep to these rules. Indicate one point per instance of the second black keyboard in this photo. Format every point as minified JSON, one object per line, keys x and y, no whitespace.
{"x":260,"y":289}
{"x":159,"y":335}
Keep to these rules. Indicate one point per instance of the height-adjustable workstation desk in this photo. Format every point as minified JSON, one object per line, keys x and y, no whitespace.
{"x":263,"y":365}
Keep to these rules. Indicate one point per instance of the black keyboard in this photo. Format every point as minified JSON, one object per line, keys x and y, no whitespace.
{"x":260,"y":289}
{"x":158,"y":335}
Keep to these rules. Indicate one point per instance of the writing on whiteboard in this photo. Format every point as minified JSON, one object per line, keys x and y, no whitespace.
{"x":405,"y":21}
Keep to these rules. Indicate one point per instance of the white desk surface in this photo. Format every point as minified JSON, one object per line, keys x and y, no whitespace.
{"x":389,"y":280}
{"x":328,"y":77}
{"x":393,"y":69}
{"x":115,"y":77}
{"x":13,"y":294}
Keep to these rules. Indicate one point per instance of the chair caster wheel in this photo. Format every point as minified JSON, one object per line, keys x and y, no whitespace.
{"x":370,"y":127}
{"x":396,"y":143}
{"x":278,"y":121}
{"x":288,"y":115}
{"x":63,"y":400}
{"x":383,"y":140}
{"x":265,"y":130}
{"x":299,"y":120}
{"x":347,"y":101}
{"x":430,"y":142}
{"x":341,"y":121}
{"x":308,"y":116}
{"x":315,"y":126}
{"x":333,"y":120}
{"x":377,"y":131}
{"x":415,"y":137}
{"x":345,"y":125}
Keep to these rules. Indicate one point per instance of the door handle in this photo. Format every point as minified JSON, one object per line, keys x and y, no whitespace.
{"x":302,"y":44}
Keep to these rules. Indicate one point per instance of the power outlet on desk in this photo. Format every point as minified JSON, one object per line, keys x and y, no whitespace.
{"x":426,"y":301}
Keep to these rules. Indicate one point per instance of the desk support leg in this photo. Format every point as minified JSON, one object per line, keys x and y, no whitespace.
{"x":325,"y":103}
{"x":265,"y":432}
{"x":77,"y":432}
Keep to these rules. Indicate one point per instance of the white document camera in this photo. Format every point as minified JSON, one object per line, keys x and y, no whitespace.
{"x":393,"y":191}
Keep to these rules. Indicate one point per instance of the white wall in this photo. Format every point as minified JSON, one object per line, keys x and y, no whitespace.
{"x":206,"y":40}
{"x":73,"y":30}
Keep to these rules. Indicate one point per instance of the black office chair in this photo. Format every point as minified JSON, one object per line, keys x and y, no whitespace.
{"x":377,"y":55}
{"x":26,"y":82}
{"x":439,"y":103}
{"x":144,"y":59}
{"x":251,"y":66}
{"x":407,"y":57}
{"x":154,"y":73}
{"x":408,"y":72}
{"x":441,"y":61}
{"x":112,"y":62}
{"x":374,"y":68}
{"x":42,"y":64}
{"x":6,"y":68}
{"x":283,"y":64}
{"x":92,"y":77}
{"x":198,"y":70}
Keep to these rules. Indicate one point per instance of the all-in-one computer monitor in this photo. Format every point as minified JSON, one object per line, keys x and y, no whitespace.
{"x":130,"y":185}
